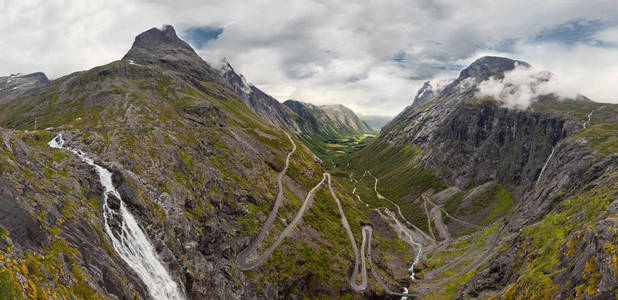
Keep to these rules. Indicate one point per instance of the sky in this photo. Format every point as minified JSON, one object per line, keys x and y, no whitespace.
{"x":371,"y":56}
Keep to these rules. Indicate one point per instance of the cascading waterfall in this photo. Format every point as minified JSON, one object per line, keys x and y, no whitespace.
{"x":131,"y":243}
{"x":405,"y":291}
{"x":589,"y":116}
{"x":545,"y":165}
{"x":404,"y":230}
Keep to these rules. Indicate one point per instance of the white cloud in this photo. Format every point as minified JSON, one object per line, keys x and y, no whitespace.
{"x":609,"y":35}
{"x":522,"y":85}
{"x":322,"y":51}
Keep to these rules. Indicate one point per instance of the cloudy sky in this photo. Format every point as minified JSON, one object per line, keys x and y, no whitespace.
{"x":369,"y":55}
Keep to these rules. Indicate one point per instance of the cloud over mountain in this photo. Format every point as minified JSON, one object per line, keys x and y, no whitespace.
{"x":370,"y":56}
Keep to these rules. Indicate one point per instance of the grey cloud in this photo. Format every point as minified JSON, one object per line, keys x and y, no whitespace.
{"x":319,"y":51}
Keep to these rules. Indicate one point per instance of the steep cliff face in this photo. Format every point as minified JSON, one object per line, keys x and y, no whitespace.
{"x":472,"y":140}
{"x":194,"y":165}
{"x":549,"y":155}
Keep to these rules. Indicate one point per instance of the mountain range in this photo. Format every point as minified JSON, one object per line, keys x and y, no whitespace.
{"x":161,"y":176}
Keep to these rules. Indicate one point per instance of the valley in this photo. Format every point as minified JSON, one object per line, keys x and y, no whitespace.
{"x":158,"y":176}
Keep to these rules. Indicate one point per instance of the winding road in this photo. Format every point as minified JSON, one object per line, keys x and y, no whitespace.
{"x":242,"y":258}
{"x":375,"y":188}
{"x":246,"y":261}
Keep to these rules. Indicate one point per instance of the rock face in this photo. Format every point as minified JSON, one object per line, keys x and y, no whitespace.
{"x":159,"y":43}
{"x":192,"y":159}
{"x":542,"y":155}
{"x":490,"y":66}
{"x":15,"y":84}
{"x":261,"y":103}
{"x":479,"y":140}
{"x":21,"y":226}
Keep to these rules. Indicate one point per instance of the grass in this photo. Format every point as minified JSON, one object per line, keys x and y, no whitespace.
{"x":548,"y":239}
{"x":393,"y":166}
{"x":398,"y":177}
{"x":452,"y":204}
{"x":332,"y":147}
{"x":602,"y":137}
{"x":504,"y":202}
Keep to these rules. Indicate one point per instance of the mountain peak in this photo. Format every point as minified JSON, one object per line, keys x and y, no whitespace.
{"x":488,"y":66}
{"x":237,"y":81}
{"x":17,"y":83}
{"x":159,"y":42}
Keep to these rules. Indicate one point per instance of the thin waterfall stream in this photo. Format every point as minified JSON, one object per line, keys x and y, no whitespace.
{"x":545,"y":165}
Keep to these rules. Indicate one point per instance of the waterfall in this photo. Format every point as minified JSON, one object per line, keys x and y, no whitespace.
{"x":545,"y":165}
{"x":405,"y":291}
{"x":405,"y":232}
{"x":130,"y":243}
{"x":589,"y":116}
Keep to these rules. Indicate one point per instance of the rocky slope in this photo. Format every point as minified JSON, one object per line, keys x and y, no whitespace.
{"x":487,"y":201}
{"x":15,"y":84}
{"x":194,"y":165}
{"x":328,"y":119}
{"x":261,"y":103}
{"x":528,"y":170}
{"x":314,"y":125}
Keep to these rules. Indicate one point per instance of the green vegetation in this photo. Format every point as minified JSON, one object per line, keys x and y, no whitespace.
{"x":503,"y":202}
{"x":497,"y":197}
{"x":576,"y":109}
{"x":399,"y":178}
{"x":249,"y":222}
{"x":452,"y":204}
{"x":454,"y":252}
{"x":546,"y":238}
{"x":602,"y":137}
{"x":7,"y":286}
{"x":393,"y":165}
{"x":333,"y":147}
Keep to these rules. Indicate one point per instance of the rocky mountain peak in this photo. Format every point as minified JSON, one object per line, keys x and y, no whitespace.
{"x":488,"y":66}
{"x":38,"y":77}
{"x":237,"y":81}
{"x":159,"y":42}
{"x":16,"y":83}
{"x":424,"y":93}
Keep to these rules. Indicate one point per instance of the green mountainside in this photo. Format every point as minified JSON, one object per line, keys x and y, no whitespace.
{"x":541,"y":181}
{"x":194,"y":165}
{"x":458,"y":197}
{"x":331,"y":130}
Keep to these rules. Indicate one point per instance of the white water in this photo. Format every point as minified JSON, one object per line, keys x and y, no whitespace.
{"x":589,"y":115}
{"x":132,"y":244}
{"x":545,"y":165}
{"x":418,"y":246}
